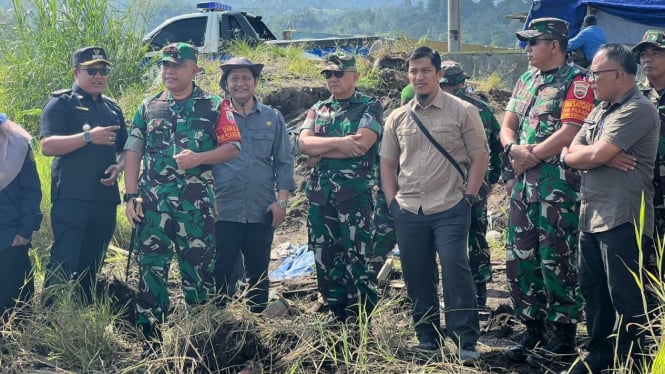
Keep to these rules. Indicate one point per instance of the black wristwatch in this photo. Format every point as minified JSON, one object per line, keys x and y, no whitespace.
{"x":87,"y":137}
{"x":128,"y":196}
{"x":507,"y":148}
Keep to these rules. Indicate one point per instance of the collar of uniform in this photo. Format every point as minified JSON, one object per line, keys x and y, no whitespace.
{"x":355,"y":98}
{"x":437,"y":102}
{"x":624,"y":99}
{"x":197,"y":93}
{"x":77,"y":90}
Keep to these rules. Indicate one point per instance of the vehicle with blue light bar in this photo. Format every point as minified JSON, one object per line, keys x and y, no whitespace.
{"x":217,"y":24}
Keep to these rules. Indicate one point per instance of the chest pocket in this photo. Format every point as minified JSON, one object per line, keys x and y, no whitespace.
{"x":447,"y":134}
{"x":407,"y":136}
{"x":158,"y":135}
{"x":262,"y":143}
{"x":199,"y":135}
{"x":545,"y":118}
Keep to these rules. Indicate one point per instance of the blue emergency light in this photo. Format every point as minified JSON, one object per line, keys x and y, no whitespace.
{"x":210,"y":6}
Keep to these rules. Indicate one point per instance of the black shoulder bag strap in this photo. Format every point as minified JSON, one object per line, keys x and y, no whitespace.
{"x":436,"y":144}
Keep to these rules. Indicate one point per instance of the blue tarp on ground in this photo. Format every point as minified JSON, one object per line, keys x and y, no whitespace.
{"x":624,"y":21}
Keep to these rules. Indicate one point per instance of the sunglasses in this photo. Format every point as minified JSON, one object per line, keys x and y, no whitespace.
{"x":337,"y":73}
{"x":93,"y":71}
{"x":535,"y":41}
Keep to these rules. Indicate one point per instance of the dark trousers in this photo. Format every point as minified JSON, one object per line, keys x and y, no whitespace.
{"x":420,"y":237}
{"x":16,"y":281}
{"x":82,"y":231}
{"x":254,"y":241}
{"x":613,"y":298}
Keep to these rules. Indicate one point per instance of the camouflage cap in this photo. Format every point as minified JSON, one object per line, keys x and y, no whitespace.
{"x":452,"y":73}
{"x":544,"y":27}
{"x":338,"y":61}
{"x":651,"y":38}
{"x":178,"y":53}
{"x":90,"y":55}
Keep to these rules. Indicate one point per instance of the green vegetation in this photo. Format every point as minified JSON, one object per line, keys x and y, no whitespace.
{"x":37,"y":50}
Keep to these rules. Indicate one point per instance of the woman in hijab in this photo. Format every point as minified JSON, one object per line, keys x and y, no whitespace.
{"x":20,"y":197}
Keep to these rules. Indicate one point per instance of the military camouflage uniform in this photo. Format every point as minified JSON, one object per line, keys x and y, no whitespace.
{"x":479,"y":251}
{"x":178,"y":204}
{"x":659,"y":171}
{"x":543,"y":223}
{"x":341,"y":205}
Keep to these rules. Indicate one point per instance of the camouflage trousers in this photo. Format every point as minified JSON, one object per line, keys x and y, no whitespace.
{"x":541,"y":261}
{"x":479,"y":250}
{"x":339,"y":234}
{"x":191,"y":234}
{"x":383,"y":234}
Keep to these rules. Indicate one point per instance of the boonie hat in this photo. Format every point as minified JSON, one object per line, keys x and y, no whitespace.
{"x":544,"y":27}
{"x":338,"y":61}
{"x":178,"y":53}
{"x":452,"y":73}
{"x":651,"y":38}
{"x":238,"y":63}
{"x":90,"y":55}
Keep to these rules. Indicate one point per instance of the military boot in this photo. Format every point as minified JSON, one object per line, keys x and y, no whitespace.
{"x":534,"y":336}
{"x":562,"y":348}
{"x":153,"y":340}
{"x":481,"y":294}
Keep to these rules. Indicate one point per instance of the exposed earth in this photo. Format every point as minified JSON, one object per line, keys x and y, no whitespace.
{"x":499,"y":328}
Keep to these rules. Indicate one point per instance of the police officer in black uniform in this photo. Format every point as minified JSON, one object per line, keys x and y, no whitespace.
{"x":86,"y":133}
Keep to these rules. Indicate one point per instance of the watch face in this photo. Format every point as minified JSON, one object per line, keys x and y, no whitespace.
{"x":87,"y":137}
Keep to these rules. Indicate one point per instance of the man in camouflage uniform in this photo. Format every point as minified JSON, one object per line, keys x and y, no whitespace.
{"x":339,"y":134}
{"x":547,"y":108}
{"x":174,"y":133}
{"x":452,"y":82}
{"x":650,"y":53}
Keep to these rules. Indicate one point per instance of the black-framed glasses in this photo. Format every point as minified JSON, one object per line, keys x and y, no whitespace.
{"x":337,"y":73}
{"x":593,"y":75}
{"x":534,"y":41}
{"x":93,"y":71}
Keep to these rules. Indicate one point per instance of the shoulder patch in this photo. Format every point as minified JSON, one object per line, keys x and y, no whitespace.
{"x":61,"y":92}
{"x":580,"y":89}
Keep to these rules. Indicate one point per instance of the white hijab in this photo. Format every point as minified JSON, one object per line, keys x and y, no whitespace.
{"x":14,"y":145}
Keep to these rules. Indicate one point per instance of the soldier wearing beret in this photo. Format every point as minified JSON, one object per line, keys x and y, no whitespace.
{"x":85,"y":132}
{"x":547,"y":108}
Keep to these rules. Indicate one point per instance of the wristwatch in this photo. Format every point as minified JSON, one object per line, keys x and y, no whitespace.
{"x":87,"y":137}
{"x":128,"y":196}
{"x":507,"y":148}
{"x":281,"y":203}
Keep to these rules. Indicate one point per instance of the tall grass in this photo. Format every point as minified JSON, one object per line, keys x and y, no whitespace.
{"x":38,"y":45}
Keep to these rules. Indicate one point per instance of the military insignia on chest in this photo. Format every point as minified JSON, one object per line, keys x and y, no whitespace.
{"x":155,"y":123}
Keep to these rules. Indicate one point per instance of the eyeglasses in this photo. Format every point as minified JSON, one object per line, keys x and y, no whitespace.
{"x":593,"y":75}
{"x":337,"y":73}
{"x":534,"y":41}
{"x":93,"y":71}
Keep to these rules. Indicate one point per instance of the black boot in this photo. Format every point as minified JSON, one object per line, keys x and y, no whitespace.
{"x":153,"y":340}
{"x":561,"y":348}
{"x":481,"y":294}
{"x":534,"y":336}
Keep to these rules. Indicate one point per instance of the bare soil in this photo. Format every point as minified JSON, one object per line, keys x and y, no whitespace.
{"x":499,"y":328}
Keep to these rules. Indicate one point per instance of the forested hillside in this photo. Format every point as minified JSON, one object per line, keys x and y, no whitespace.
{"x":483,"y":21}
